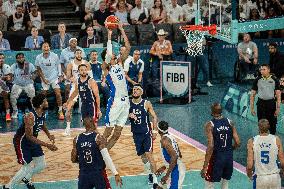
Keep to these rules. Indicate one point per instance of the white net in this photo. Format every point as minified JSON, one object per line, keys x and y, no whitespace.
{"x":194,"y":39}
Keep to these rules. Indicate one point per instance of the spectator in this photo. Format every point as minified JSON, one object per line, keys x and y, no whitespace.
{"x":269,"y":97}
{"x":36,"y":17}
{"x":277,"y":7}
{"x":139,"y":14}
{"x":23,"y":74}
{"x":76,"y":3}
{"x":100,"y":16}
{"x":89,"y":40}
{"x":276,"y":60}
{"x":97,"y":72}
{"x":18,"y":20}
{"x":148,"y":4}
{"x":261,"y":7}
{"x":66,"y":56}
{"x":4,"y":43}
{"x":121,"y":12}
{"x":134,"y":68}
{"x":34,"y":41}
{"x":157,"y":13}
{"x":3,"y":17}
{"x":160,"y":50}
{"x":247,"y":5}
{"x":114,"y":5}
{"x":49,"y":71}
{"x":174,"y":12}
{"x":189,"y":11}
{"x":248,"y":56}
{"x":5,"y":75}
{"x":27,"y":6}
{"x":60,"y":40}
{"x":9,"y":7}
{"x":90,"y":7}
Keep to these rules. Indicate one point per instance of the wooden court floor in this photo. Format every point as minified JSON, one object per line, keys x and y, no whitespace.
{"x":60,"y":167}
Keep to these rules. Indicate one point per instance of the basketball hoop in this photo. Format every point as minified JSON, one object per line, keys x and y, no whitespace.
{"x":194,"y":35}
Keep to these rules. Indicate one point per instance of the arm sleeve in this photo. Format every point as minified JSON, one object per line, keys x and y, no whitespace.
{"x":108,"y":161}
{"x":109,"y":52}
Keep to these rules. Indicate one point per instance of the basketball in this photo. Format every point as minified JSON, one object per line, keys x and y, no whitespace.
{"x":111,"y":22}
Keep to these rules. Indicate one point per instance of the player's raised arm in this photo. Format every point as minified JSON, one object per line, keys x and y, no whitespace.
{"x":108,"y":55}
{"x":210,"y":147}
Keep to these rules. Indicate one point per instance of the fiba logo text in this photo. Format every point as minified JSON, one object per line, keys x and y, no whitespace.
{"x":176,"y":77}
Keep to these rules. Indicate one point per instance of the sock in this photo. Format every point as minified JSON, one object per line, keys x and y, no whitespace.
{"x":209,"y":185}
{"x":7,"y":111}
{"x":155,"y":180}
{"x":68,"y":125}
{"x":60,"y":109}
{"x":147,"y":167}
{"x":224,"y":184}
{"x":25,"y":169}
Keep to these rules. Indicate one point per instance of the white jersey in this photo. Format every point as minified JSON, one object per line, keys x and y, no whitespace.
{"x":117,"y":82}
{"x":265,"y":155}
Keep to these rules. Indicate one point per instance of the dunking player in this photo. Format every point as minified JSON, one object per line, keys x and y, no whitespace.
{"x":143,"y":134}
{"x":172,"y":157}
{"x":88,"y":91}
{"x":90,"y":152}
{"x":28,"y":146}
{"x":72,"y":75}
{"x":218,"y":163}
{"x":118,"y":103}
{"x":263,"y":152}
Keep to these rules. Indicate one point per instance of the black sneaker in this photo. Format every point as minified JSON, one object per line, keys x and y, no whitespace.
{"x":4,"y":187}
{"x":155,"y":186}
{"x":150,"y":179}
{"x":28,"y":183}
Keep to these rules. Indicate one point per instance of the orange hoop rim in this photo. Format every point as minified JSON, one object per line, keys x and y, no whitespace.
{"x":212,"y":29}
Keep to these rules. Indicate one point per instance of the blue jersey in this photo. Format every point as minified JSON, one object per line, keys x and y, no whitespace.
{"x":38,"y":123}
{"x":222,"y":134}
{"x":142,"y":124}
{"x":85,"y":92}
{"x":89,"y":155}
{"x":97,"y":71}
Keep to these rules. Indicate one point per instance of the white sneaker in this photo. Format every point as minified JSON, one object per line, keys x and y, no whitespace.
{"x":15,"y":115}
{"x":247,"y":77}
{"x":67,"y":132}
{"x":209,"y":84}
{"x":77,"y":9}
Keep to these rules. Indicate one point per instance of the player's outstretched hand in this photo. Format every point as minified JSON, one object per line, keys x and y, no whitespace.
{"x":160,"y":170}
{"x":118,"y":180}
{"x":52,"y":138}
{"x":52,"y":147}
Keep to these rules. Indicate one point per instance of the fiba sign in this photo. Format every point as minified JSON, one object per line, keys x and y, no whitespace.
{"x":175,"y":78}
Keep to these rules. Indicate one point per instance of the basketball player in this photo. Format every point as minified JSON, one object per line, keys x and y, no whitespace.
{"x":172,"y":157}
{"x":218,"y":163}
{"x":72,"y":74}
{"x":263,"y":152}
{"x":87,"y":89}
{"x":90,"y":152}
{"x":118,"y":103}
{"x":143,"y":134}
{"x":28,"y":146}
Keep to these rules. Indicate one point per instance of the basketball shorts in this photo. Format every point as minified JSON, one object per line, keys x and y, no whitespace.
{"x":54,"y":85}
{"x":220,"y":166}
{"x":90,"y":180}
{"x":88,"y":110}
{"x":143,"y":143}
{"x":26,"y":150}
{"x":177,"y":176}
{"x":267,"y":181}
{"x":117,"y":111}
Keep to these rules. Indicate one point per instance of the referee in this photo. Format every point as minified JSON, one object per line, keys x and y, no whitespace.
{"x":267,"y":86}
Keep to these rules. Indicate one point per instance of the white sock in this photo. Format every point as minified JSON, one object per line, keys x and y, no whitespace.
{"x":147,"y":167}
{"x":7,"y":111}
{"x":155,"y":180}
{"x":224,"y":184}
{"x":68,"y":125}
{"x":25,"y":169}
{"x":209,"y":185}
{"x":60,"y":109}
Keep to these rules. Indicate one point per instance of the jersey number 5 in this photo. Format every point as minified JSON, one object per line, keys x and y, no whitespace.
{"x":264,"y":157}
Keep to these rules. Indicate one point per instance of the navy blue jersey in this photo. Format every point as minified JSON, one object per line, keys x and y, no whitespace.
{"x":222,"y":134}
{"x":38,"y":123}
{"x":142,"y":124}
{"x":97,"y":71}
{"x":89,"y":155}
{"x":85,"y":92}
